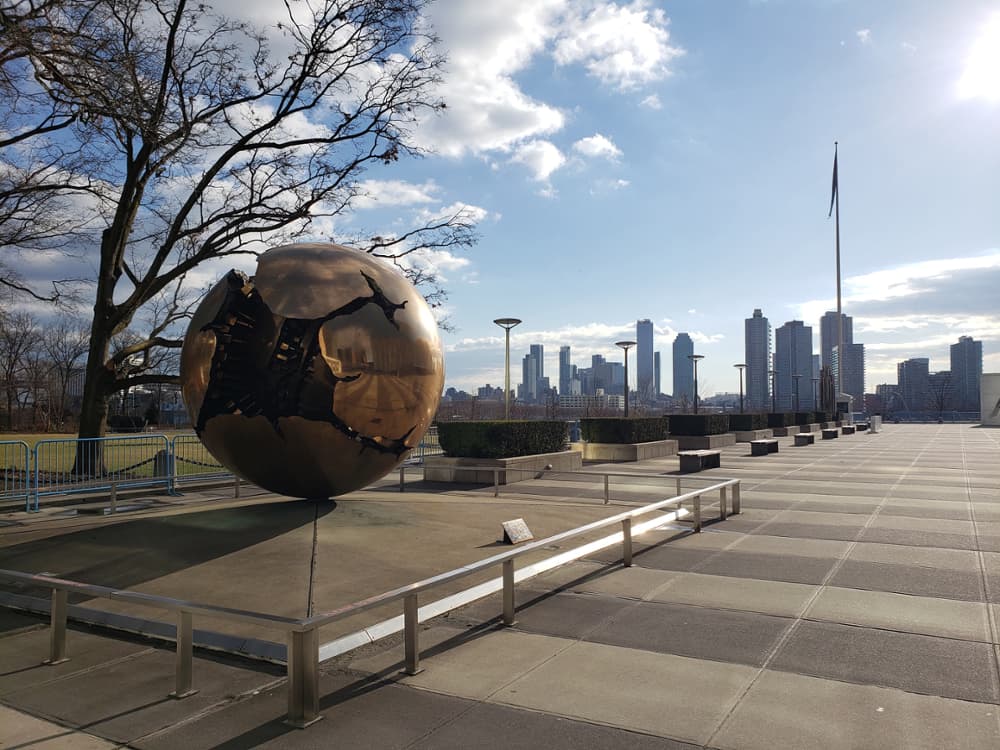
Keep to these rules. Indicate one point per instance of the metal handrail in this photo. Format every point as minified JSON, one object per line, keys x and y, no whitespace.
{"x":302,"y":660}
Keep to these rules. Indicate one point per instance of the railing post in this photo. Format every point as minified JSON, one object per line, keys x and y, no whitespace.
{"x":236,"y":488}
{"x":508,"y":592}
{"x":114,"y":497}
{"x":678,"y":486}
{"x":57,"y":627}
{"x":303,"y":678}
{"x":496,"y":483}
{"x":736,"y":498}
{"x":401,"y":471}
{"x":34,"y":460}
{"x":184,"y":671}
{"x":607,"y":489}
{"x":697,"y":513}
{"x":723,"y":493}
{"x":627,"y":542}
{"x":411,"y":635}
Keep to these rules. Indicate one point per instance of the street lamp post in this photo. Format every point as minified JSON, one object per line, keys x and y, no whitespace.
{"x":625,"y":345}
{"x":741,"y":368}
{"x":774,"y":393}
{"x":506,"y":324}
{"x":797,"y":377}
{"x":694,"y":358}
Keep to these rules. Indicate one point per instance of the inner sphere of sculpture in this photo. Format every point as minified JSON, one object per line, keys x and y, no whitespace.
{"x":315,"y":377}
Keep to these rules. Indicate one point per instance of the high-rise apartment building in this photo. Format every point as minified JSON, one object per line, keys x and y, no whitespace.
{"x":538,"y":352}
{"x":793,"y":357}
{"x":565,"y":370}
{"x":644,"y":360}
{"x":828,"y":336}
{"x":758,"y":361}
{"x":683,"y":368}
{"x":912,"y":377}
{"x":656,"y":375}
{"x":854,"y":372}
{"x":966,"y":373}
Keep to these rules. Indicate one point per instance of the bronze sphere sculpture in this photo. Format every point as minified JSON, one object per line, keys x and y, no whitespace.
{"x":316,"y":376}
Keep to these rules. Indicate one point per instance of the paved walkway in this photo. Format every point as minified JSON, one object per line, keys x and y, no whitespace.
{"x":853,"y":604}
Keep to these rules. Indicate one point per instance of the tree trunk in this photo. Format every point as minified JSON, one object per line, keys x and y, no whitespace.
{"x":94,"y":410}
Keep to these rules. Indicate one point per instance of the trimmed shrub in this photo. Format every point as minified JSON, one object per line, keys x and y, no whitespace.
{"x":622,"y":430}
{"x":781,"y":419}
{"x":803,"y":417}
{"x":501,"y":439}
{"x":822,"y":416}
{"x":746,"y":422}
{"x":699,"y":424}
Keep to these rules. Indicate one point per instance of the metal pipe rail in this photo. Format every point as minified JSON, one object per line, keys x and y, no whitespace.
{"x":302,"y":635}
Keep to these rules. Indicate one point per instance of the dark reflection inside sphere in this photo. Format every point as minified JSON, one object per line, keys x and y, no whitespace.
{"x":315,"y":377}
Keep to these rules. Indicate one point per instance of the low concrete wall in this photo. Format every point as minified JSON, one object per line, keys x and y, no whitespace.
{"x":704,"y":442}
{"x":448,"y":469}
{"x":626,"y":451}
{"x":745,"y":436}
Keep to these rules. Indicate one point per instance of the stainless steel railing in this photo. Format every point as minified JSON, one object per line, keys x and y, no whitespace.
{"x":302,"y":660}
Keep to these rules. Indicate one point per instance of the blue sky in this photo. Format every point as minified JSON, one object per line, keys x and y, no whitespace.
{"x":631,"y":159}
{"x":672,"y":161}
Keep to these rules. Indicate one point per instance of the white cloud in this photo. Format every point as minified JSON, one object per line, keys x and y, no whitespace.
{"x":864,"y":36}
{"x":541,"y":157}
{"x":382,"y":193}
{"x":652,"y":102}
{"x":469,"y":212}
{"x":597,"y":145}
{"x":624,"y":46}
{"x":908,"y":47}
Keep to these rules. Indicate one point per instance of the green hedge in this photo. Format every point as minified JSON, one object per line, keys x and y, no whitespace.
{"x":501,"y":439}
{"x":747,"y":422}
{"x":822,"y":416}
{"x":781,"y":419}
{"x":699,"y":424}
{"x":803,"y":417}
{"x":622,"y":430}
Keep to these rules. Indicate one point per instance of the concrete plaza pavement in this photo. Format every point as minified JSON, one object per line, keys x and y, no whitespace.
{"x":853,"y":604}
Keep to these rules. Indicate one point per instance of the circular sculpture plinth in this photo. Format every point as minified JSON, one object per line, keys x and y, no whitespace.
{"x":315,"y":377}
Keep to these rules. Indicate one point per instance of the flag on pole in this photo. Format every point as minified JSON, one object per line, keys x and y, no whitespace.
{"x":833,"y":192}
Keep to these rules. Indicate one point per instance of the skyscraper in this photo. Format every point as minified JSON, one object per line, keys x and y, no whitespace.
{"x":683,"y":368}
{"x":966,"y":372}
{"x":912,"y":375}
{"x":656,"y":375}
{"x":538,"y":352}
{"x":793,"y":356}
{"x":828,"y":336}
{"x":854,"y":372}
{"x":758,"y":359}
{"x":644,"y":360}
{"x":529,"y":377}
{"x":565,"y":370}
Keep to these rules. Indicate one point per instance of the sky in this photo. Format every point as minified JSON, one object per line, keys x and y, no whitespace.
{"x":672,"y":161}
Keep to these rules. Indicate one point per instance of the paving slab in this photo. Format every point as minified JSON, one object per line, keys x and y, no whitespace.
{"x":747,"y":594}
{"x":915,"y":663}
{"x":916,"y":580}
{"x":20,"y":730}
{"x":646,"y":697}
{"x":812,"y":570}
{"x":795,"y":711}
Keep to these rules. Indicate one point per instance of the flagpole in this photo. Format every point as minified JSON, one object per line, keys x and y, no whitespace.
{"x":841,"y":358}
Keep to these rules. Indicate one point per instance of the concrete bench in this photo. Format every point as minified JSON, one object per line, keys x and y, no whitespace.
{"x":862,"y":426}
{"x":831,"y":434}
{"x":697,"y":460}
{"x":806,"y":438}
{"x":763,"y":447}
{"x":847,"y":429}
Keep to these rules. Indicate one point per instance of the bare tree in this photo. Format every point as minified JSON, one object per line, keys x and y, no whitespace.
{"x":200,"y":142}
{"x":18,"y":337}
{"x":65,"y":343}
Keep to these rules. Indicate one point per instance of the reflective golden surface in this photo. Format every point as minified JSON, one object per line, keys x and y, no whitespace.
{"x":315,"y":377}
